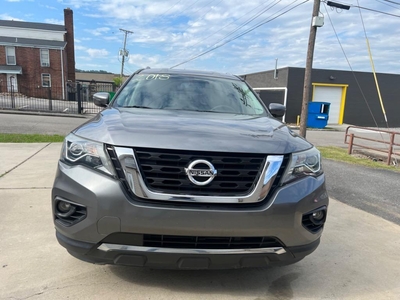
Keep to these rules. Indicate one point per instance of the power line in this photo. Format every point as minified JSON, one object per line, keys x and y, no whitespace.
{"x":249,"y":21}
{"x":354,"y":75}
{"x":242,"y":34}
{"x":129,"y":71}
{"x":393,"y":2}
{"x":177,"y":54}
{"x":373,"y":69}
{"x":238,"y":36}
{"x":351,"y":68}
{"x":215,"y":32}
{"x":165,"y":12}
{"x":374,"y":10}
{"x":209,"y":9}
{"x":205,"y":6}
{"x":187,"y":8}
{"x":384,"y":3}
{"x":367,"y":8}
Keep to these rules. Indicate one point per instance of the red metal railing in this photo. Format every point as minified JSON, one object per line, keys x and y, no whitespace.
{"x":391,"y":143}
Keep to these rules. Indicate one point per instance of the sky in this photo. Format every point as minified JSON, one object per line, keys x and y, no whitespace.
{"x":228,"y":36}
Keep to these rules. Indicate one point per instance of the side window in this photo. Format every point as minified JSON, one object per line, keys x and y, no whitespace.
{"x":10,"y":56}
{"x":46,"y":80}
{"x":44,"y":58}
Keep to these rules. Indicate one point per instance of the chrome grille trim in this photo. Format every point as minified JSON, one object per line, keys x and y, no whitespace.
{"x":116,"y":247}
{"x":134,"y":180}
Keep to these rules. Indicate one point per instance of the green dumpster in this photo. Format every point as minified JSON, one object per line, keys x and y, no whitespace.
{"x":112,"y":94}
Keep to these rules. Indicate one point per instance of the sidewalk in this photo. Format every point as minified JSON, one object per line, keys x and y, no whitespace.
{"x":11,"y":155}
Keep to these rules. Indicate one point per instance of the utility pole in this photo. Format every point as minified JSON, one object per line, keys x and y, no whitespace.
{"x":315,"y":22}
{"x":124,"y":52}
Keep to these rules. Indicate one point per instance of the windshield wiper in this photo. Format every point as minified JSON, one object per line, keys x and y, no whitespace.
{"x":137,"y":106}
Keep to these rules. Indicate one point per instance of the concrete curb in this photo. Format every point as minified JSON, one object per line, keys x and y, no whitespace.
{"x":340,"y":128}
{"x":39,"y":113}
{"x":375,"y":155}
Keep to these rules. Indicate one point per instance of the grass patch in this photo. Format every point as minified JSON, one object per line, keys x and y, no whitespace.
{"x":340,"y":154}
{"x":30,"y":138}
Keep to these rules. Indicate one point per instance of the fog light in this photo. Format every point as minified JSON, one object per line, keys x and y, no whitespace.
{"x":64,"y":209}
{"x":318,"y":217}
{"x":315,"y":219}
{"x":68,"y":213}
{"x":63,"y":206}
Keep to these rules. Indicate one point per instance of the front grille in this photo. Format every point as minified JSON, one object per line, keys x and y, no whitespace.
{"x":204,"y":242}
{"x":192,"y":242}
{"x":164,"y":171}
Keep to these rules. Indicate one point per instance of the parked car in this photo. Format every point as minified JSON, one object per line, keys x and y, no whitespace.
{"x":188,"y":170}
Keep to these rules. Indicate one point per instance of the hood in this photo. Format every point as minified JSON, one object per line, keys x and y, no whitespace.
{"x":187,"y":130}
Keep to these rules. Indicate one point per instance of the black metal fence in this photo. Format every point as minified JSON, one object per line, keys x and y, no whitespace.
{"x":74,"y":98}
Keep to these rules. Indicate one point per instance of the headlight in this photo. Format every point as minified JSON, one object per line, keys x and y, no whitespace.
{"x":79,"y":151}
{"x":306,"y":163}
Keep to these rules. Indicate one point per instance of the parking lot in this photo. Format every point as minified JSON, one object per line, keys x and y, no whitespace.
{"x":357,"y":258}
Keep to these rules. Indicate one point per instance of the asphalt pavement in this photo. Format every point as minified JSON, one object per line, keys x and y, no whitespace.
{"x":373,"y":190}
{"x":62,"y":124}
{"x":38,"y":123}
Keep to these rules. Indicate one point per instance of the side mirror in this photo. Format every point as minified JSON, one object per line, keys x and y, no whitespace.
{"x":101,"y":99}
{"x":277,"y":110}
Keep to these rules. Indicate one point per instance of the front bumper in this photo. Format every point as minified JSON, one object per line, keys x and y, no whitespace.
{"x":183,"y":259}
{"x":111,"y":210}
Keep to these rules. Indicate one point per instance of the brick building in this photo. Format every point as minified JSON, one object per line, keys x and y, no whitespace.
{"x":37,"y":58}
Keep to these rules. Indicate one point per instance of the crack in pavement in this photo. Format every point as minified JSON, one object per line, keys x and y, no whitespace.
{"x":49,"y":289}
{"x":24,"y":161}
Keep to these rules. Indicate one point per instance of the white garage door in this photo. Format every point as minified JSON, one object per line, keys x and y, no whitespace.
{"x":333,"y":95}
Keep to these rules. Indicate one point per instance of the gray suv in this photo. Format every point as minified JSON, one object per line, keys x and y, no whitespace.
{"x":188,"y":170}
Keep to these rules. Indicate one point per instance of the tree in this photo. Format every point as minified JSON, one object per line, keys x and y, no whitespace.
{"x":118,"y":81}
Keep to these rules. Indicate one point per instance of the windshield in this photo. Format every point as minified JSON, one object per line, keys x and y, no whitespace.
{"x":184,"y":92}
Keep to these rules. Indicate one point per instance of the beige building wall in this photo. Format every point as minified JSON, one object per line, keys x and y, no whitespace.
{"x":95,"y":76}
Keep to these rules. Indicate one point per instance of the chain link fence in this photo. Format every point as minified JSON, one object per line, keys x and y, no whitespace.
{"x":75,"y":98}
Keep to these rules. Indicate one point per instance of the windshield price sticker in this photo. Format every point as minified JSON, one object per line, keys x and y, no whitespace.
{"x":152,"y":76}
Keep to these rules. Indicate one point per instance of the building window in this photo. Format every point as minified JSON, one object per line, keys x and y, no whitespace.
{"x":44,"y":58}
{"x":10,"y":56}
{"x":46,"y":80}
